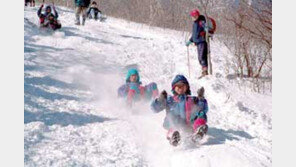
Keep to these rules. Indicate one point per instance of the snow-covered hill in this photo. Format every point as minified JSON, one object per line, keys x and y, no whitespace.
{"x":72,"y":116}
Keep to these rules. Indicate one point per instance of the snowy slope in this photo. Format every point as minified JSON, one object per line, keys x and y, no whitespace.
{"x":73,"y":118}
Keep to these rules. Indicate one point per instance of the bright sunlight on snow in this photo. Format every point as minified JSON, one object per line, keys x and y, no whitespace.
{"x":72,"y":116}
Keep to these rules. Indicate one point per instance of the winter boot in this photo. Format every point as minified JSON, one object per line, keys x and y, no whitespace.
{"x":174,"y":137}
{"x":77,"y":20}
{"x":204,"y":71}
{"x":83,"y":21}
{"x":199,"y":133}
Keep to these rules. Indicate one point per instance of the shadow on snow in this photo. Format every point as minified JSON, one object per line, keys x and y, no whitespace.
{"x":70,"y":31}
{"x":32,"y":90}
{"x":62,"y":118}
{"x":219,"y":136}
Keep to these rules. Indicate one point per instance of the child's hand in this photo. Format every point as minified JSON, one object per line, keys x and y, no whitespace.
{"x":163,"y":95}
{"x":188,"y":43}
{"x":201,"y":92}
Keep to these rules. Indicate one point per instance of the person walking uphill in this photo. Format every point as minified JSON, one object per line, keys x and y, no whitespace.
{"x":199,"y":39}
{"x":81,"y":8}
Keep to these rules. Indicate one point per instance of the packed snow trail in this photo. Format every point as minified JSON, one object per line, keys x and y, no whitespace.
{"x":72,"y":116}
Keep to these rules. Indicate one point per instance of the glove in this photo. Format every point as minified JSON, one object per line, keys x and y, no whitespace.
{"x":163,"y":96}
{"x":201,"y":92}
{"x":188,"y":43}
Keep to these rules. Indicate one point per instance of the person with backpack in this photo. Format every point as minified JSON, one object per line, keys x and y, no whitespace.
{"x":133,"y":91}
{"x":93,"y":11}
{"x":81,"y":7}
{"x":183,"y":111}
{"x":48,"y":19}
{"x":198,"y":38}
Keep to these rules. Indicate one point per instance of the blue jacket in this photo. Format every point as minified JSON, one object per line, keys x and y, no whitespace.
{"x":198,"y":30}
{"x":82,"y":3}
{"x":134,"y":91}
{"x":181,"y":110}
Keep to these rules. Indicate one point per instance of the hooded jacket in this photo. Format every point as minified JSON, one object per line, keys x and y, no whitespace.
{"x":198,"y":30}
{"x":181,"y":109}
{"x":134,"y":91}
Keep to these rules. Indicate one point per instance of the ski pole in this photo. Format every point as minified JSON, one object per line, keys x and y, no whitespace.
{"x":188,"y":61}
{"x":208,"y":45}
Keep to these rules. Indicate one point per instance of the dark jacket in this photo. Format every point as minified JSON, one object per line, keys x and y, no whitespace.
{"x":82,"y":3}
{"x":45,"y":14}
{"x":96,"y":10}
{"x":198,"y":30}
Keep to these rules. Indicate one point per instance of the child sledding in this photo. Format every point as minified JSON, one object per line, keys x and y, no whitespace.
{"x":48,"y":19}
{"x":133,"y":91}
{"x":93,"y":12}
{"x":183,"y":111}
{"x":31,"y":2}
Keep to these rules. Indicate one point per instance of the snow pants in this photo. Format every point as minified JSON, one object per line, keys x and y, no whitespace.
{"x":183,"y":127}
{"x":80,"y":11}
{"x":202,"y":51}
{"x":94,"y":14}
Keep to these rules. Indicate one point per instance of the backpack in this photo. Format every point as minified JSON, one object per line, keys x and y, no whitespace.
{"x":212,"y":25}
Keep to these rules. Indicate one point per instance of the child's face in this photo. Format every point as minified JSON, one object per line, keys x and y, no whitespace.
{"x":48,"y":10}
{"x":181,"y":88}
{"x":133,"y":78}
{"x":193,"y":18}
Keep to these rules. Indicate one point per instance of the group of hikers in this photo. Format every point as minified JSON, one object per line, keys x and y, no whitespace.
{"x":183,"y":110}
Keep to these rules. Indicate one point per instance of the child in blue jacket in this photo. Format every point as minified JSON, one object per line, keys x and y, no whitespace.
{"x":183,"y":111}
{"x":133,"y":90}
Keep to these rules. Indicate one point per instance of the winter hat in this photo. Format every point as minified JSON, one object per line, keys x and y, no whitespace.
{"x":132,"y":72}
{"x":194,"y":13}
{"x":178,"y":79}
{"x":47,"y":7}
